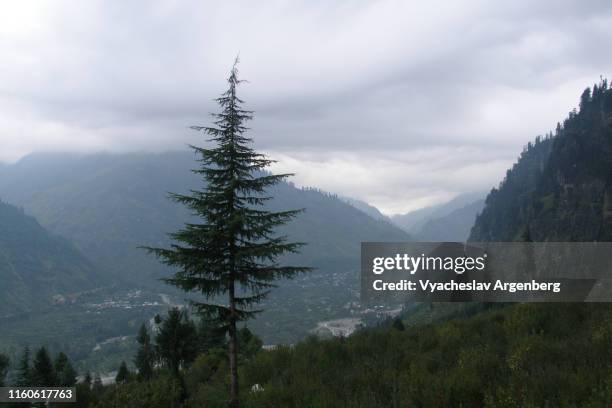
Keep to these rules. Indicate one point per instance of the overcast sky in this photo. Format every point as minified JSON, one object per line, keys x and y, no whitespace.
{"x":402,"y":104}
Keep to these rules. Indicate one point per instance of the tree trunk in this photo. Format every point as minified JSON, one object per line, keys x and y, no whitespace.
{"x":233,"y":340}
{"x":233,"y":351}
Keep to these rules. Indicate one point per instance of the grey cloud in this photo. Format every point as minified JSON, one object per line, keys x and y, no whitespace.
{"x":364,"y":80}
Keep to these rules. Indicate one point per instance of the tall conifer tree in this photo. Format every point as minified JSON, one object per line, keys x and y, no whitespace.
{"x":122,"y":374}
{"x":145,"y":357}
{"x":24,"y":369}
{"x":43,"y":372}
{"x":233,"y":250}
{"x":66,"y":374}
{"x":176,"y":341}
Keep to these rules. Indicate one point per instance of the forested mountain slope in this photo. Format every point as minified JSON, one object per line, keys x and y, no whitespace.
{"x":111,"y":204}
{"x":561,"y":187}
{"x":37,"y":268}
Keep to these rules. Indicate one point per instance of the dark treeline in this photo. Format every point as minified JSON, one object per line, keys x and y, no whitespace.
{"x":41,"y":369}
{"x":158,"y":376}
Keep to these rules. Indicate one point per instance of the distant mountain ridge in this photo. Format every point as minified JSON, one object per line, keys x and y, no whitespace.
{"x":453,"y":227}
{"x":415,"y":222}
{"x":108,"y":205}
{"x":366,"y":208}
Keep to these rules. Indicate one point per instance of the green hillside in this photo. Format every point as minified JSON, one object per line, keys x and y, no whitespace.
{"x":38,"y":268}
